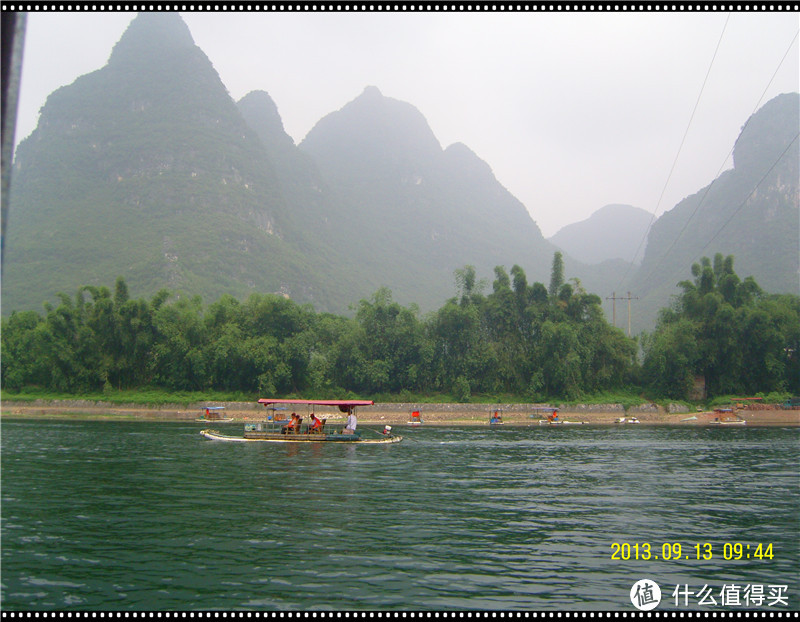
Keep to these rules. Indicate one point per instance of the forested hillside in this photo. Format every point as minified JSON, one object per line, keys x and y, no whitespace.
{"x":146,"y":168}
{"x":751,"y":212}
{"x":410,"y":211}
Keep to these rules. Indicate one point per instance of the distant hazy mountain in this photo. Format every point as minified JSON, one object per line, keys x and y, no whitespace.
{"x":408,"y":212}
{"x":612,"y":232}
{"x":751,"y":212}
{"x":146,"y":169}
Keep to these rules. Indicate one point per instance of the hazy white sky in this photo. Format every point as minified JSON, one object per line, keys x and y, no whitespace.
{"x":572,"y":111}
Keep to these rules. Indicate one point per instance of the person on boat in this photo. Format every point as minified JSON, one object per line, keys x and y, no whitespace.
{"x":496,"y":418}
{"x":316,"y":425}
{"x":350,"y":424}
{"x":293,"y":426}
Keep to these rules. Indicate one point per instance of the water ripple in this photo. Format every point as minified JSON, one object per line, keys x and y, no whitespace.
{"x":150,"y":516}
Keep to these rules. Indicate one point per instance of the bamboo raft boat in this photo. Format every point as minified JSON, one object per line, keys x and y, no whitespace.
{"x":294,"y":431}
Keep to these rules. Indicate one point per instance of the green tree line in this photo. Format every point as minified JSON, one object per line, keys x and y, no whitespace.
{"x":529,"y":341}
{"x":740,"y":340}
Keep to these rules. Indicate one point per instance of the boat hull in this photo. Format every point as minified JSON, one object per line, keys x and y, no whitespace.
{"x":213,"y":435}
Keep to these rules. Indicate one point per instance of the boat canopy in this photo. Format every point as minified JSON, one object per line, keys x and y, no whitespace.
{"x":343,"y":405}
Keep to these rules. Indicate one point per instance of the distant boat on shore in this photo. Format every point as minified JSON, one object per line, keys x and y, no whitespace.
{"x":214,"y":414}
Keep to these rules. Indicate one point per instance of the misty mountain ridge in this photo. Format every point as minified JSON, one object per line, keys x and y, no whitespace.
{"x":399,"y":190}
{"x":146,"y":168}
{"x":751,"y":212}
{"x":612,"y":232}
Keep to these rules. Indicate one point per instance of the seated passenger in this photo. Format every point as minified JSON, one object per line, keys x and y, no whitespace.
{"x":293,"y":426}
{"x":351,"y":423}
{"x":316,"y":425}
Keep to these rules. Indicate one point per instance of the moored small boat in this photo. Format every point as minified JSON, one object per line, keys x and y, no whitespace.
{"x":214,"y":414}
{"x":726,"y":416}
{"x":552,"y":418}
{"x":416,"y":419}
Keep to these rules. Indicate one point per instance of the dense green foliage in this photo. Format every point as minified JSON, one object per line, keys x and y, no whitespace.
{"x":728,"y":331}
{"x":517,"y":340}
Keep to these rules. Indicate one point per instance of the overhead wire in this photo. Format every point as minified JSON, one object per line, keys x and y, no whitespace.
{"x":722,"y":166}
{"x":747,"y":198}
{"x":677,"y":155}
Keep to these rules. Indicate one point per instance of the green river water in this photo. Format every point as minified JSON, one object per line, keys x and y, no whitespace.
{"x":147,"y":515}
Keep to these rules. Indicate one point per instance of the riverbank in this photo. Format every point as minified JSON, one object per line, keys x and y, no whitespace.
{"x":393,"y":414}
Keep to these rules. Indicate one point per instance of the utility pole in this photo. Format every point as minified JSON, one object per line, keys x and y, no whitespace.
{"x":614,"y":298}
{"x":629,"y":298}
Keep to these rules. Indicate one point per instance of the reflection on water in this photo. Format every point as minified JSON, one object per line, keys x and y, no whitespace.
{"x":136,"y":515}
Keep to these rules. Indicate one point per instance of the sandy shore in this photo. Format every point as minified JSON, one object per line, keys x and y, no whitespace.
{"x":392,"y":414}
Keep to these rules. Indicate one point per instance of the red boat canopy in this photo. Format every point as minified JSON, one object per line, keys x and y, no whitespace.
{"x":343,"y":405}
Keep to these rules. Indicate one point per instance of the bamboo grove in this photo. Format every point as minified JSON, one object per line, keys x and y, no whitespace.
{"x":528,"y":341}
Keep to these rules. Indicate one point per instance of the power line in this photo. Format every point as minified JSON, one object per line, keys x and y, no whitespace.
{"x":719,"y":171}
{"x":747,"y":198}
{"x":722,"y":166}
{"x":677,"y":155}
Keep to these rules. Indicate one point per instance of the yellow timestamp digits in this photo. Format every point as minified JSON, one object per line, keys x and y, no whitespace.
{"x":737,"y":550}
{"x":673,"y":551}
{"x":706,"y":550}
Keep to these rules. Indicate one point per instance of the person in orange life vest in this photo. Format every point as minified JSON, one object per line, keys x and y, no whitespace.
{"x":316,"y":425}
{"x":292,"y":426}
